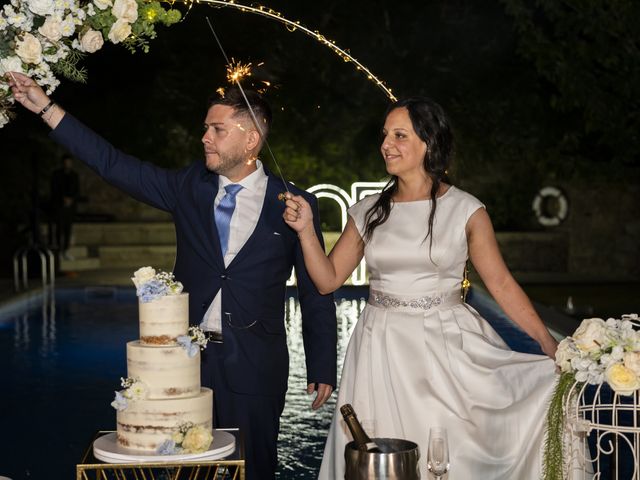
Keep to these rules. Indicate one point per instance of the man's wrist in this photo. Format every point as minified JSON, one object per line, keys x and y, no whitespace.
{"x":46,"y":108}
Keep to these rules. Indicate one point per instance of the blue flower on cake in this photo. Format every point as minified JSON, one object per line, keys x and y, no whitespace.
{"x":188,"y":438}
{"x":194,"y":341}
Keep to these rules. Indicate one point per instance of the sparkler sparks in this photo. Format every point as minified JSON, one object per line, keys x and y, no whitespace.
{"x":238,"y":71}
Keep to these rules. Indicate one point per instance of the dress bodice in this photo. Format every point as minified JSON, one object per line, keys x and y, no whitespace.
{"x":398,"y":256}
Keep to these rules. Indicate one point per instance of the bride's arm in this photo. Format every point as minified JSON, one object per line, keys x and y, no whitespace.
{"x":487,"y":260}
{"x":328,"y":273}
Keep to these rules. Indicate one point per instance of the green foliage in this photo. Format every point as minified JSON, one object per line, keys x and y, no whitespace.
{"x":68,"y":66}
{"x":589,"y":53}
{"x":553,"y":447}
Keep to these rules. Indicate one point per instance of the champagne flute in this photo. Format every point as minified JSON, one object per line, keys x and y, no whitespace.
{"x":438,"y":452}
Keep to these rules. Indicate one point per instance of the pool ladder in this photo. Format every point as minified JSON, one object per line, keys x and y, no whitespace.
{"x":21,"y":269}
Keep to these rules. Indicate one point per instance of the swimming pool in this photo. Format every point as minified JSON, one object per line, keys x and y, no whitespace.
{"x":63,"y":354}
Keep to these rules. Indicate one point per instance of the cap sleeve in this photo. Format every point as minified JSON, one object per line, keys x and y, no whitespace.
{"x":471,"y":206}
{"x":359,"y":211}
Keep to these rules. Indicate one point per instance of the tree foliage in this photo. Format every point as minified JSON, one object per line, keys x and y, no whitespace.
{"x":589,"y":53}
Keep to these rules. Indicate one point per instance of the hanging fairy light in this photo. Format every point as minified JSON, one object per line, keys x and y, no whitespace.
{"x":292,"y":26}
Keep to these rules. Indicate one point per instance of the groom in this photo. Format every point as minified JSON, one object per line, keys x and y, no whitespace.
{"x":234,"y":255}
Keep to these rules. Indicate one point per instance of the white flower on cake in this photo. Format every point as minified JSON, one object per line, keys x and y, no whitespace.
{"x":192,"y":342}
{"x":134,"y":390}
{"x":151,"y":285}
{"x":143,"y":275}
{"x":603,"y":350}
{"x":188,"y":438}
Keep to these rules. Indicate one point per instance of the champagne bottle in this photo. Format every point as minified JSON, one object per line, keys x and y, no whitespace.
{"x":360,"y":437}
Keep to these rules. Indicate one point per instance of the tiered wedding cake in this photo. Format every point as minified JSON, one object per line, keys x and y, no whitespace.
{"x":162,"y":407}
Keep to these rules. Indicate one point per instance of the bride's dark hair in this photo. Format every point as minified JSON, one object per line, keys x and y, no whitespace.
{"x":432,"y":126}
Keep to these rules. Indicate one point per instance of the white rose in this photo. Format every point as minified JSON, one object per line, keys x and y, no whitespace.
{"x":51,"y":29}
{"x":632,"y":362}
{"x":126,"y":10}
{"x":119,"y":31}
{"x":622,"y":380}
{"x":10,"y":64}
{"x":564,"y":354}
{"x":143,"y":275}
{"x":590,"y":335}
{"x":197,"y":440}
{"x":102,"y":4}
{"x":41,"y":7}
{"x":29,"y":49}
{"x":91,"y":41}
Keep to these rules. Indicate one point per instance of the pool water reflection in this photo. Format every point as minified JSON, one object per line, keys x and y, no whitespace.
{"x":62,"y":358}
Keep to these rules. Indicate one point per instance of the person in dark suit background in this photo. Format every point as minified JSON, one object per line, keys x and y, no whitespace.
{"x":234,"y":255}
{"x":64,"y":194}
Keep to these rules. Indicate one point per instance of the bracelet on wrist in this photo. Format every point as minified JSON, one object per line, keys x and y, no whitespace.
{"x":46,"y":108}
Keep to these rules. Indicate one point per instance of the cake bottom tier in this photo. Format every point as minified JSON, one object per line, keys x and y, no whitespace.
{"x":145,"y":424}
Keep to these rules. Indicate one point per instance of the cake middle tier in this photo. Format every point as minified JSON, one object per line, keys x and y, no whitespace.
{"x":167,"y":371}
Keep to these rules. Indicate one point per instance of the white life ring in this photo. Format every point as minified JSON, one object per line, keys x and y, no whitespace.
{"x":546,"y":218}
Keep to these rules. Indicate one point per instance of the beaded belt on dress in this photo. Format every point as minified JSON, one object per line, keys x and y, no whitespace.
{"x":415,"y":304}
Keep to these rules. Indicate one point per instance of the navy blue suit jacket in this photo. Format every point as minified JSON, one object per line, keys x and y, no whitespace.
{"x":256,"y":359}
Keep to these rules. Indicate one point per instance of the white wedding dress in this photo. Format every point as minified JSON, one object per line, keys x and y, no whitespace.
{"x":418,"y":357}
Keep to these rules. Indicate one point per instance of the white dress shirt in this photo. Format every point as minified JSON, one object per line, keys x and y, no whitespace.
{"x":245,"y":217}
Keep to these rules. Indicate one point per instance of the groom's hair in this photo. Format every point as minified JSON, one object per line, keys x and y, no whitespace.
{"x":232,"y":97}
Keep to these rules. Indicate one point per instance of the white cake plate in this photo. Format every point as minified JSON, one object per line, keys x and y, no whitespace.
{"x":107,"y":449}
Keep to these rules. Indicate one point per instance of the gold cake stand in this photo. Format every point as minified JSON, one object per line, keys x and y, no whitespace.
{"x":230,"y":467}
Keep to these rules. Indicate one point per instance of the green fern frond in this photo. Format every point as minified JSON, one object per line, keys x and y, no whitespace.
{"x":553,"y":452}
{"x":68,"y":67}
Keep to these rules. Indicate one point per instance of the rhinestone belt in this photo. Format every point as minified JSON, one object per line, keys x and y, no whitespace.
{"x":428,"y":302}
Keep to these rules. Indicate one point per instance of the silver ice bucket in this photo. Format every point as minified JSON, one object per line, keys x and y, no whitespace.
{"x":398,"y":460}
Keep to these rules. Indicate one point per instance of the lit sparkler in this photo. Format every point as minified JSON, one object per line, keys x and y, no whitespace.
{"x":237,"y":71}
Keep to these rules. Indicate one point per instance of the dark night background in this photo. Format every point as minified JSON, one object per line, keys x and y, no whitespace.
{"x":540,"y":93}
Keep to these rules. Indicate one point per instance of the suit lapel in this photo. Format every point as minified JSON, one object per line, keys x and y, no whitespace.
{"x":272,"y":209}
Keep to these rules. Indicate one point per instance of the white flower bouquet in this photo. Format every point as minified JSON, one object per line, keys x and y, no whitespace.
{"x":602,"y":350}
{"x":599,"y":351}
{"x":45,"y":39}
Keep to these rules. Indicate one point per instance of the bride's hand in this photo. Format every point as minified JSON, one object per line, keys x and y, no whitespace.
{"x":298,"y":214}
{"x":27,"y":92}
{"x":549,"y":347}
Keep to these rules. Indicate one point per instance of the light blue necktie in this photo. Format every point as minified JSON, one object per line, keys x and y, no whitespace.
{"x":224,"y":212}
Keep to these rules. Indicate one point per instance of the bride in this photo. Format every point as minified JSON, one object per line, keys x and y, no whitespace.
{"x":419,"y":356}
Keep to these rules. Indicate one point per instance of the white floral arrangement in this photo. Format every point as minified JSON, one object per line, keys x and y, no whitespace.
{"x":45,"y":39}
{"x":193,"y":341}
{"x":599,"y":351}
{"x":134,"y":390}
{"x":151,"y":285}
{"x":188,"y":438}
